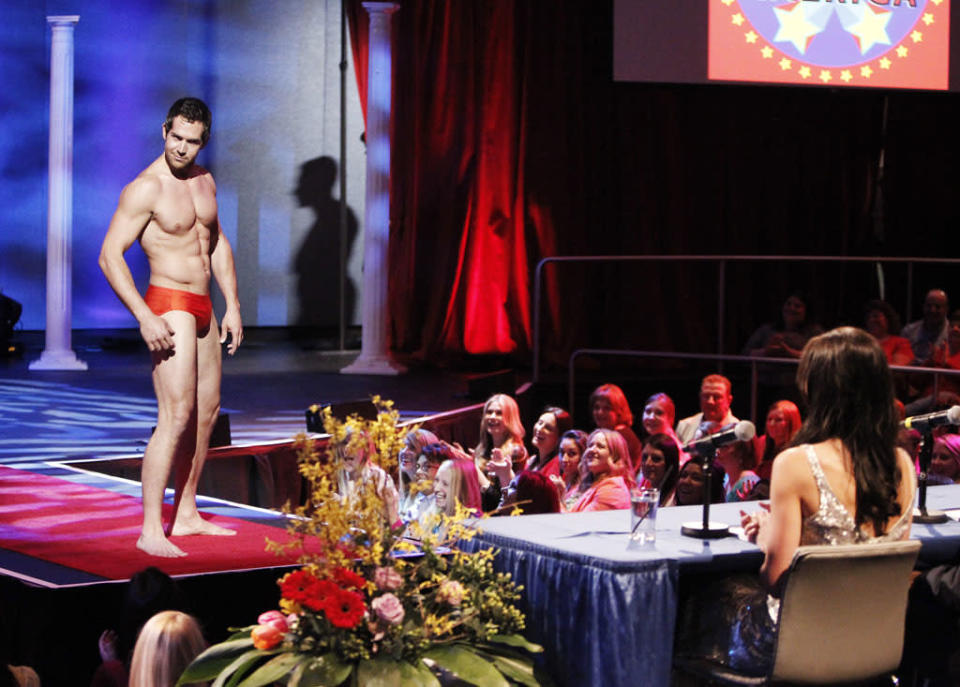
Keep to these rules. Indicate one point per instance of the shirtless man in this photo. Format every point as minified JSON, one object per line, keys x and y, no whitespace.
{"x":171,"y":209}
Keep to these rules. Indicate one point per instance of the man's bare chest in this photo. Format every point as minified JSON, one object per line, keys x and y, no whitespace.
{"x":184,"y":207}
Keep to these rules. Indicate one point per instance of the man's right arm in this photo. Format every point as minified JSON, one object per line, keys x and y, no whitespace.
{"x":130,"y":219}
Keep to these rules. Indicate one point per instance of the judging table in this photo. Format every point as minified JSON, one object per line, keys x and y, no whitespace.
{"x":605,"y":612}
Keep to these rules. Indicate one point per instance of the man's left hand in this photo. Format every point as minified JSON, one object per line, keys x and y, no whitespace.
{"x":231,"y":326}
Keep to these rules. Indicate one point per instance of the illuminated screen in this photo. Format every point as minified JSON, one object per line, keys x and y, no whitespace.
{"x":832,"y":43}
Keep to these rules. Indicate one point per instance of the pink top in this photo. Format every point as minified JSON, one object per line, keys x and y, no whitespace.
{"x":611,"y":493}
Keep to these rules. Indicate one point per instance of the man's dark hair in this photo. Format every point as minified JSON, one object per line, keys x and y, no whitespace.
{"x":193,"y":110}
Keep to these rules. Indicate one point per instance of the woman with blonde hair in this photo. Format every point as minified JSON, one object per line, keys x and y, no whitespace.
{"x":608,"y":460}
{"x":167,"y":644}
{"x":501,"y":440}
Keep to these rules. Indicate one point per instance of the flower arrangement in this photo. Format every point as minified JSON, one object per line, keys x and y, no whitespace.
{"x":373,"y":604}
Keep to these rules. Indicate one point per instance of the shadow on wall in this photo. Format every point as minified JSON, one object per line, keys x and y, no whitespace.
{"x":318,"y":261}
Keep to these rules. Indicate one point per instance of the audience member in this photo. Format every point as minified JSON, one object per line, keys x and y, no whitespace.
{"x":551,"y":424}
{"x":692,"y":480}
{"x":946,"y":355}
{"x":610,"y":410}
{"x":880,"y":319}
{"x":926,"y":334}
{"x":844,"y":482}
{"x":737,"y":460}
{"x":456,"y":483}
{"x":715,"y":400}
{"x":431,"y":457}
{"x":167,"y":644}
{"x":356,"y":471}
{"x":570,"y":484}
{"x":945,"y":460}
{"x":413,"y":444}
{"x":786,"y":337}
{"x":608,"y":460}
{"x":501,"y":438}
{"x":660,"y":467}
{"x":530,"y":493}
{"x":783,"y":422}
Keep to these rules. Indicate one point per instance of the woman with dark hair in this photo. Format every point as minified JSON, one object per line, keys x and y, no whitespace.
{"x":843,"y":482}
{"x":786,"y":337}
{"x":532,"y":493}
{"x":692,"y":480}
{"x":880,"y":319}
{"x":737,"y":460}
{"x":660,"y":466}
{"x":783,"y":422}
{"x":574,"y":478}
{"x":610,"y":410}
{"x":552,"y":423}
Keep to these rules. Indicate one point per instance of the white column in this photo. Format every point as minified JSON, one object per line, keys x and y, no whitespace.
{"x":57,"y":353}
{"x":374,"y":357}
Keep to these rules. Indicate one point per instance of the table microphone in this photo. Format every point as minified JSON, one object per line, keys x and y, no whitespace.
{"x":742,"y":431}
{"x":921,"y":423}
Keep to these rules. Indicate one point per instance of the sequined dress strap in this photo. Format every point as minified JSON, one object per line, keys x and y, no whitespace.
{"x":832,"y":518}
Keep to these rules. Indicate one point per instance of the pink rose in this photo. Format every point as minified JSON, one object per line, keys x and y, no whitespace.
{"x":388,"y":579}
{"x":389,"y":609}
{"x":451,"y":592}
{"x":266,"y":637}
{"x":275,"y":619}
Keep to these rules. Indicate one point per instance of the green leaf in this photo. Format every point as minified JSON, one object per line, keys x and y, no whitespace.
{"x":518,"y":641}
{"x":238,"y":667}
{"x":379,"y":672}
{"x":516,"y":670}
{"x":273,"y":670}
{"x":467,"y":665}
{"x":321,"y":671}
{"x":417,"y":675}
{"x":211,"y":662}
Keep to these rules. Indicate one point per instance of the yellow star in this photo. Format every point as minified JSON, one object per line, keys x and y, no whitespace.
{"x":794,"y":27}
{"x":901,"y":51}
{"x":727,"y":2}
{"x":872,"y":28}
{"x":750,"y":36}
{"x":804,"y":71}
{"x":767,"y":52}
{"x":916,"y":36}
{"x":927,"y":18}
{"x":845,"y":76}
{"x":884,"y":63}
{"x":937,"y":2}
{"x":785,"y":64}
{"x":825,"y":76}
{"x":865,"y":71}
{"x":737,"y":19}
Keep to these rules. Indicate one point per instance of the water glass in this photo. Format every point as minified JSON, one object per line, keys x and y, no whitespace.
{"x":643,"y":516}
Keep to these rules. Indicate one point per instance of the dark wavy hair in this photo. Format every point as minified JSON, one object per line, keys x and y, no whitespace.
{"x":193,"y":110}
{"x":847,"y":386}
{"x":671,"y":459}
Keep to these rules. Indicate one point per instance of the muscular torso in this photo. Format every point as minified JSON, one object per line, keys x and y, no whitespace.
{"x":182,"y":231}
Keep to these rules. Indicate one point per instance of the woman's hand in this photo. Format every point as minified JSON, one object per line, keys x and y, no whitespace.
{"x":108,"y":646}
{"x":501,"y":466}
{"x":558,"y":484}
{"x":755,"y":525}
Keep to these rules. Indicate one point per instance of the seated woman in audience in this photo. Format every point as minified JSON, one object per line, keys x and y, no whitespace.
{"x":431,"y":457}
{"x":570,"y":484}
{"x":692,"y":480}
{"x":783,"y":422}
{"x":880,"y":319}
{"x":608,"y":460}
{"x":610,"y":410}
{"x":413,"y":443}
{"x":501,"y":437}
{"x":167,"y":644}
{"x":786,"y":337}
{"x":530,"y":493}
{"x":737,"y":460}
{"x":945,"y":461}
{"x":844,"y":483}
{"x":356,"y":471}
{"x":551,"y":424}
{"x":456,"y":483}
{"x":660,"y":467}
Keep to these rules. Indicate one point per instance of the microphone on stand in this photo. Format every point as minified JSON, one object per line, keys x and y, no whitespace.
{"x":742,"y":431}
{"x":921,"y":423}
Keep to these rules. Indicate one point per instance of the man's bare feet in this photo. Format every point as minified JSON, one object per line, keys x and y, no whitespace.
{"x":198,"y":525}
{"x":159,"y":546}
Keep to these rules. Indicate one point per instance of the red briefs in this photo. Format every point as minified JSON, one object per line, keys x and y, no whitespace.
{"x":162,"y":300}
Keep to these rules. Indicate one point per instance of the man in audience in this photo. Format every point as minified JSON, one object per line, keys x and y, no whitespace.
{"x":715,"y":399}
{"x":927,"y":334}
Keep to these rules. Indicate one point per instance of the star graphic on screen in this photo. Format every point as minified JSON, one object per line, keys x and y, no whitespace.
{"x":737,"y":19}
{"x":767,"y":52}
{"x":884,"y":63}
{"x":785,"y":64}
{"x":795,"y":26}
{"x":727,"y":2}
{"x":927,"y":18}
{"x":751,"y":36}
{"x":902,"y":51}
{"x":846,"y":76}
{"x":865,"y":71}
{"x":825,"y":76}
{"x":937,"y":2}
{"x":916,"y":36}
{"x":871,"y":29}
{"x":804,"y":71}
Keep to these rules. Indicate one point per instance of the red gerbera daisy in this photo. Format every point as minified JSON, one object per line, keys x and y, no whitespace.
{"x":321,"y":594}
{"x":347,"y":578}
{"x":346,"y":609}
{"x":296,"y":586}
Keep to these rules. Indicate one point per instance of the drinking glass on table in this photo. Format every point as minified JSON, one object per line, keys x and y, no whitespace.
{"x":643,"y":516}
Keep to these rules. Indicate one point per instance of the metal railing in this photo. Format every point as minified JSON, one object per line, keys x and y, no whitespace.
{"x":754,"y":362}
{"x":721,"y":261}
